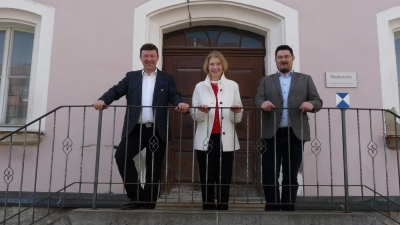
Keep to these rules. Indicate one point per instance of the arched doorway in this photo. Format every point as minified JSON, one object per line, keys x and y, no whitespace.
{"x":184,"y":52}
{"x":277,"y":22}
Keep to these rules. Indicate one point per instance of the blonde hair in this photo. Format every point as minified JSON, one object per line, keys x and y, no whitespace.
{"x":218,"y":55}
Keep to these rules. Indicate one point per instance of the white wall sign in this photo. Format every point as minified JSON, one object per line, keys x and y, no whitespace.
{"x":341,"y":79}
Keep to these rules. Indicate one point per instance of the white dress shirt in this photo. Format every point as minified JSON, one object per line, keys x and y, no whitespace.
{"x":285,"y":85}
{"x":148,"y":83}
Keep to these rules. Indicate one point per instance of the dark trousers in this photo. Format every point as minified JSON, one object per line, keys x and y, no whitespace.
{"x":127,"y":150}
{"x":288,"y":153}
{"x":210,"y":168}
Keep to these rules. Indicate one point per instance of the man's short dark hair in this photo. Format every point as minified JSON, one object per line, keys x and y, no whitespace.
{"x":148,"y":47}
{"x":283,"y":47}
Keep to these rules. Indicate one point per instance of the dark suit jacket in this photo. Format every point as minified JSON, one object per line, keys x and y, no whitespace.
{"x":302,"y":89}
{"x":131,"y":86}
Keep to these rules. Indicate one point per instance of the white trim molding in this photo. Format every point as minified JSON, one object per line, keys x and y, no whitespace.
{"x":41,"y":17}
{"x":388,"y":23}
{"x":277,"y":22}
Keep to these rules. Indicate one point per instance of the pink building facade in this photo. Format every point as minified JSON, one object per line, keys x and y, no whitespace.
{"x":82,"y":48}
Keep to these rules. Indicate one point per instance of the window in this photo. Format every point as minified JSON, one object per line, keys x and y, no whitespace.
{"x":397,"y":49}
{"x":388,"y":22}
{"x":16,"y":46}
{"x":26,"y":36}
{"x":214,"y":36}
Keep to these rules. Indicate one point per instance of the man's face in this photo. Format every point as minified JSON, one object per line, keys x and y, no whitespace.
{"x":149,"y":60}
{"x":284,"y":61}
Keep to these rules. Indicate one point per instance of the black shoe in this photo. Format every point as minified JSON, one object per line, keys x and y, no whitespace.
{"x":222,"y":206}
{"x":209,"y":206}
{"x":289,"y":207}
{"x":272,"y":207}
{"x":150,"y":205}
{"x":133,"y":205}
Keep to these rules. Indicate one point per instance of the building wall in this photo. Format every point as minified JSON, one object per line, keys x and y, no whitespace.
{"x":342,"y":36}
{"x":92,"y":42}
{"x":92,"y":49}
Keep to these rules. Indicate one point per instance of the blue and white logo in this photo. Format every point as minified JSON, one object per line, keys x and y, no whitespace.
{"x":343,"y":100}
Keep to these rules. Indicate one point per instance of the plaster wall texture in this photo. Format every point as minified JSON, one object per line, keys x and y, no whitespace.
{"x":92,"y":49}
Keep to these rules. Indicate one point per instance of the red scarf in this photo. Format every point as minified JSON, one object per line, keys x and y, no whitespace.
{"x":216,"y":129}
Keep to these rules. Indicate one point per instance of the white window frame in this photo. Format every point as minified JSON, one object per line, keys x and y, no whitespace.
{"x":397,"y":37}
{"x":41,"y":18}
{"x":388,"y":22}
{"x":5,"y":77}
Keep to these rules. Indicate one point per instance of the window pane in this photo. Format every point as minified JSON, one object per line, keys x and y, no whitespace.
{"x":196,"y":37}
{"x":229,"y":38}
{"x":17,"y":101}
{"x":21,"y":58}
{"x":214,"y":36}
{"x":175,"y":39}
{"x":252,"y":40}
{"x":213,"y":33}
{"x":2,"y":39}
{"x":397,"y":47}
{"x":18,"y":88}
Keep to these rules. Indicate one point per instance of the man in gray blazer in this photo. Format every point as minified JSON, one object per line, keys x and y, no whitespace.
{"x":284,"y":129}
{"x":143,"y":127}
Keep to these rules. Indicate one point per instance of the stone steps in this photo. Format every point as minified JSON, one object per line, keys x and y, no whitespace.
{"x":184,"y":216}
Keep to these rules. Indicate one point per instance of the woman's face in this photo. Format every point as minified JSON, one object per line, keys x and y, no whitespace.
{"x":215,"y":69}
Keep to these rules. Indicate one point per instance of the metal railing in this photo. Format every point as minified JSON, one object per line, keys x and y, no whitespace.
{"x":351,"y":162}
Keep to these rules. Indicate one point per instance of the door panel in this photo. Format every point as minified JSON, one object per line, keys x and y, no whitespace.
{"x":245,"y":69}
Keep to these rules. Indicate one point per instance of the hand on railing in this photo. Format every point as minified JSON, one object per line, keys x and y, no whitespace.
{"x":306,"y":107}
{"x":100,"y":105}
{"x":267,"y":106}
{"x":204,"y":108}
{"x":236,"y":108}
{"x":182,"y":107}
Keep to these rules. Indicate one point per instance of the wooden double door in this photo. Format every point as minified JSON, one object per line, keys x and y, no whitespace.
{"x":246,"y":67}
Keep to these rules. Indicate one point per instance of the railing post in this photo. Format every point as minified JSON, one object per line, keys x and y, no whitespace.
{"x":345,"y":169}
{"x":96,"y":172}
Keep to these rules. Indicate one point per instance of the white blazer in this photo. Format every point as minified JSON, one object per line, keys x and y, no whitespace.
{"x":228,"y":95}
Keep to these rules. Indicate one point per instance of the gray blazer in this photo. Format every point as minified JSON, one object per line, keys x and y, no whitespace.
{"x":302,"y":89}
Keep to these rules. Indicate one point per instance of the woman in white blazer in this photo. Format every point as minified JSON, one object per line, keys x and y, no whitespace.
{"x":216,"y":108}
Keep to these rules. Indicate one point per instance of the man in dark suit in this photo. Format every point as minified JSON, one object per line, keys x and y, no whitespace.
{"x":143,"y":127}
{"x":285,"y":129}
